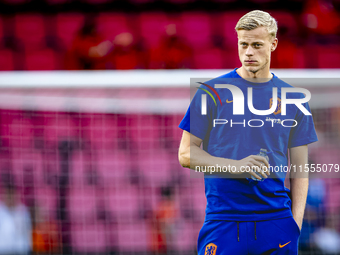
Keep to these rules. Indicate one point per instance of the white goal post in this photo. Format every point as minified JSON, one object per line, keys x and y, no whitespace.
{"x":113,"y":91}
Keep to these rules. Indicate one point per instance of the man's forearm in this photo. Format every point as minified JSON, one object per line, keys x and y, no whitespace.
{"x":201,"y":161}
{"x":299,"y":190}
{"x":191,"y":156}
{"x":200,"y":158}
{"x":298,"y":182}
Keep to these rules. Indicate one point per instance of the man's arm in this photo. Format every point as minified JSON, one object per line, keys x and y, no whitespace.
{"x":298,"y":181}
{"x":191,"y":155}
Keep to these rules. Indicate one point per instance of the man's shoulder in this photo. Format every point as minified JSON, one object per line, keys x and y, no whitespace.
{"x":222,"y":78}
{"x":281,"y":83}
{"x":231,"y":74}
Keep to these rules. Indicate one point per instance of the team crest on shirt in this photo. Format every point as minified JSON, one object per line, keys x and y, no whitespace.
{"x":278,"y":108}
{"x":210,"y":249}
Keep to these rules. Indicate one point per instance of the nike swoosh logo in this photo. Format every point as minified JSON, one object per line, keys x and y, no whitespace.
{"x":283,"y":245}
{"x":228,"y":101}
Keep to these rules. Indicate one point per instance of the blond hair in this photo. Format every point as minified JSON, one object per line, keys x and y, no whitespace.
{"x":255,"y":19}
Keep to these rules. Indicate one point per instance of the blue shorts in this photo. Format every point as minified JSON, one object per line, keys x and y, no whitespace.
{"x":236,"y":238}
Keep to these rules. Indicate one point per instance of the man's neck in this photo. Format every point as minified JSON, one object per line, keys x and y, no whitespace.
{"x":260,"y":76}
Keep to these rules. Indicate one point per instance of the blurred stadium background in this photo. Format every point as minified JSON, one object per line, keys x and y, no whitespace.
{"x":92,"y":155}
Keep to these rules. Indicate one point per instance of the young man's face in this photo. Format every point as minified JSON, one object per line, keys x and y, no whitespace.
{"x":254,"y":49}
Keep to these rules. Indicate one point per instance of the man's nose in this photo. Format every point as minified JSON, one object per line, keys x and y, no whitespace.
{"x":249,"y":51}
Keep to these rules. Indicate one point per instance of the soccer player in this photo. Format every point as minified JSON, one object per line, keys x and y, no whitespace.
{"x":249,"y":212}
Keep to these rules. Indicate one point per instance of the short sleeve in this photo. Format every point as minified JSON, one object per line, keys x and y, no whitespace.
{"x":304,"y":132}
{"x":194,"y":121}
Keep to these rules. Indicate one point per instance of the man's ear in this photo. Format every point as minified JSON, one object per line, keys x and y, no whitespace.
{"x":274,"y":44}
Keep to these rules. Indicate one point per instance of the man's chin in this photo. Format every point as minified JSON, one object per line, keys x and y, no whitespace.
{"x":252,"y":69}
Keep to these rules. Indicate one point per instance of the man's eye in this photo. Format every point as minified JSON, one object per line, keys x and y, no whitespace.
{"x":257,"y":45}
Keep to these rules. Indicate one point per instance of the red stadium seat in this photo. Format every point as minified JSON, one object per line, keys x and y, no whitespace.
{"x":133,"y":237}
{"x":82,"y":204}
{"x":166,"y":121}
{"x":196,"y":29}
{"x":209,"y":59}
{"x":192,"y":195}
{"x":321,"y":17}
{"x":332,"y":198}
{"x":58,"y":127}
{"x":45,"y":59}
{"x":227,"y":25}
{"x":151,"y":197}
{"x":80,"y":163}
{"x":46,"y":199}
{"x":153,"y":27}
{"x":231,"y":59}
{"x":100,"y":130}
{"x":286,"y":20}
{"x":6,"y":60}
{"x":30,"y":30}
{"x":288,"y":55}
{"x":20,"y":133}
{"x":198,"y":196}
{"x":88,"y":238}
{"x":67,"y":26}
{"x":112,"y":24}
{"x":175,"y":131}
{"x":1,"y":32}
{"x":186,"y":236}
{"x":328,"y":56}
{"x":27,"y":162}
{"x":150,"y":162}
{"x":145,"y":131}
{"x":326,"y":154}
{"x":112,"y":167}
{"x":123,"y":202}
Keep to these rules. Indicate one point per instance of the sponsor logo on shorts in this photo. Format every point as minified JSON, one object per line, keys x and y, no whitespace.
{"x":210,"y":249}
